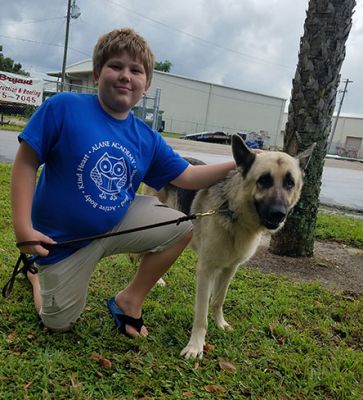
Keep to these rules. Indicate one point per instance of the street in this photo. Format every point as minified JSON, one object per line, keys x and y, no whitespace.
{"x":342,"y":181}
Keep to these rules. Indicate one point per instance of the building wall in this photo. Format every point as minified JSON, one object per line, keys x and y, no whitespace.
{"x":184,"y":103}
{"x":193,"y":106}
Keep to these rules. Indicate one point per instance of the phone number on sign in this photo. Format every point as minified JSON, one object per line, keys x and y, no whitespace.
{"x":19,"y":97}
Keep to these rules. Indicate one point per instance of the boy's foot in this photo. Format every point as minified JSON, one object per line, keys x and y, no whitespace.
{"x":125,"y":319}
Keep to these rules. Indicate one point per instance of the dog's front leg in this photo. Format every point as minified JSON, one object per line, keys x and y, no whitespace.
{"x":203,"y":290}
{"x":219,"y":291}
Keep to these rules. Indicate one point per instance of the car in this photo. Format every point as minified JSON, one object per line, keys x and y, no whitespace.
{"x":210,"y":137}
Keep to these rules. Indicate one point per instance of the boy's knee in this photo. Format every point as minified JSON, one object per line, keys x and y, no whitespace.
{"x":58,"y":323}
{"x":57,"y":318}
{"x":58,"y":329}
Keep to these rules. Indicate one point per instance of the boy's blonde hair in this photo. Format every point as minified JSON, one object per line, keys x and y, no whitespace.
{"x":118,"y":41}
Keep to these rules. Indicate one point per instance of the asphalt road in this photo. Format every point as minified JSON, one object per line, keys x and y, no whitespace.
{"x":342,"y":181}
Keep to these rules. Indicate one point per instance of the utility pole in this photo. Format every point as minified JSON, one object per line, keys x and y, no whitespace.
{"x":72,"y":12}
{"x":66,"y":45}
{"x":347,"y":81}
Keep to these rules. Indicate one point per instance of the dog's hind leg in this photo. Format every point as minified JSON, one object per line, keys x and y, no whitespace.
{"x":194,"y":348}
{"x":219,"y":291}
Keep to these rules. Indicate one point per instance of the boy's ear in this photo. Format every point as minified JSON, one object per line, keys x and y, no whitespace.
{"x":95,"y":76}
{"x":147,"y":87}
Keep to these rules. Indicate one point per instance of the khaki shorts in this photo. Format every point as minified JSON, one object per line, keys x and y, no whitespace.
{"x":64,"y":285}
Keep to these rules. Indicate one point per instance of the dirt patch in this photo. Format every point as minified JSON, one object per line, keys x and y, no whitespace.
{"x":335,"y":266}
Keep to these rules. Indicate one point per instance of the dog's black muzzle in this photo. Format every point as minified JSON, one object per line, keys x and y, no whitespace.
{"x":272,"y":215}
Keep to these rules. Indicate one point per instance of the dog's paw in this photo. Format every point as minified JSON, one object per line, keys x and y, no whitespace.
{"x":192,"y":351}
{"x":220,"y":321}
{"x":223,"y":324}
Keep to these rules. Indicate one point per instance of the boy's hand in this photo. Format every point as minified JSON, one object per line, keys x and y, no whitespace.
{"x":37,"y":249}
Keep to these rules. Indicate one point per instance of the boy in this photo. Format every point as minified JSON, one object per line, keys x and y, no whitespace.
{"x":95,"y":155}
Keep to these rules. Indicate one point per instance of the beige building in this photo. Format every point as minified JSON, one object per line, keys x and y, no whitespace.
{"x":191,"y":105}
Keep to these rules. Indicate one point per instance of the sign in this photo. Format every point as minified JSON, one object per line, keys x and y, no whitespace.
{"x":20,"y":89}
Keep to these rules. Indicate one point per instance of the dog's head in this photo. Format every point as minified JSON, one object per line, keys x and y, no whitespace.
{"x":274,"y":180}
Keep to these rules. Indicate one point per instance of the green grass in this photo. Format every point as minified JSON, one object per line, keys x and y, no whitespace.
{"x":173,"y":135}
{"x":348,"y":230}
{"x":13,"y":128}
{"x":290,"y":341}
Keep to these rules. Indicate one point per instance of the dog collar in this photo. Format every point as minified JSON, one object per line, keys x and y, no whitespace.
{"x":225,"y":209}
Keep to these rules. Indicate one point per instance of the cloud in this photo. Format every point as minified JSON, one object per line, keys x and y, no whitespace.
{"x":251,"y":45}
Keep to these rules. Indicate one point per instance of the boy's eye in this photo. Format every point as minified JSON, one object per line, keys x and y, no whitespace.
{"x":137,"y":70}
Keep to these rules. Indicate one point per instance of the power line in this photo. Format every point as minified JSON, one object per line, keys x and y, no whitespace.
{"x":44,"y":43}
{"x":34,"y":21}
{"x":204,"y":41}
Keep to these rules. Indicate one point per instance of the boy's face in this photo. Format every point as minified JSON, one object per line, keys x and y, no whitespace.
{"x":121,"y":83}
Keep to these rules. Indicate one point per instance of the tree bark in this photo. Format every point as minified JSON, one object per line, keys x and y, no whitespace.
{"x":313,"y":97}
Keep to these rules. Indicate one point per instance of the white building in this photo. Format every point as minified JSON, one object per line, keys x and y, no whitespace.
{"x":191,"y":105}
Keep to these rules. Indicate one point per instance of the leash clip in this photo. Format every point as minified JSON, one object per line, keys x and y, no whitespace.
{"x":205,"y":214}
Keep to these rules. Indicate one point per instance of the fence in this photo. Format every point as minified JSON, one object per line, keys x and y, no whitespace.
{"x":18,"y":114}
{"x":15,"y":114}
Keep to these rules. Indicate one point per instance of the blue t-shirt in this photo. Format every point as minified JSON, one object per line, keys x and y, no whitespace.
{"x":93,"y":166}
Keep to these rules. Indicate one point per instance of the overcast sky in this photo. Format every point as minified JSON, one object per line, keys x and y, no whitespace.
{"x":247,"y":44}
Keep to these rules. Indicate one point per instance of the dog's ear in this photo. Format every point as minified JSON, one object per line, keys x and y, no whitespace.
{"x":305,"y":156}
{"x":243,"y":156}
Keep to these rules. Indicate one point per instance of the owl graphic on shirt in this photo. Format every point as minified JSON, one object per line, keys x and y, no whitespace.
{"x":110,"y":175}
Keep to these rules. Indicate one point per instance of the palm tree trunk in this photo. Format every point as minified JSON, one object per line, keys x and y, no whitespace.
{"x":313,"y":96}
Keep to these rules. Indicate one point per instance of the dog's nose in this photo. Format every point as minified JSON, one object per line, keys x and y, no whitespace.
{"x":272,"y":213}
{"x":277,"y":214}
{"x":274,"y":216}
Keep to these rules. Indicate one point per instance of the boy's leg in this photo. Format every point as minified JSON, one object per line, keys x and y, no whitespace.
{"x":34,"y":281}
{"x":64,"y":287}
{"x":152,"y":267}
{"x":162,"y":246}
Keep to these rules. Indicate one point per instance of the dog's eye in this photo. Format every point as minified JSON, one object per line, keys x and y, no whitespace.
{"x":289,"y":182}
{"x":265,"y":181}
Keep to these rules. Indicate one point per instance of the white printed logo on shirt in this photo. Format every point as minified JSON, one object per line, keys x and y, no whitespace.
{"x":109,"y":175}
{"x":108,"y":167}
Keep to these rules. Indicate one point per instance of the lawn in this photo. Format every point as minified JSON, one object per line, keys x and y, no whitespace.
{"x":290,"y":341}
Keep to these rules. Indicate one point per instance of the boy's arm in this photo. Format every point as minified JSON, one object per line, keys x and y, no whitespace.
{"x":201,"y":176}
{"x":22,"y":188}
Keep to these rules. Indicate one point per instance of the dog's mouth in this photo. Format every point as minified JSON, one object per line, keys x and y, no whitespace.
{"x":272,"y":225}
{"x":272,"y":216}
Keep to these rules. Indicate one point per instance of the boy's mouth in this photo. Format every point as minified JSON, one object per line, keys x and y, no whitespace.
{"x":123,"y":89}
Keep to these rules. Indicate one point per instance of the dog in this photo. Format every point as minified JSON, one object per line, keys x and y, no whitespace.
{"x":253,"y":199}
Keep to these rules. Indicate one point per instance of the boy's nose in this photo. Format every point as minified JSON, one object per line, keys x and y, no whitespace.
{"x":124,"y":75}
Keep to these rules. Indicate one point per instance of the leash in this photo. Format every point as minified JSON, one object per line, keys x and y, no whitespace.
{"x":28,"y":261}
